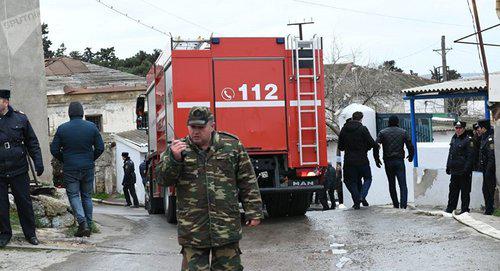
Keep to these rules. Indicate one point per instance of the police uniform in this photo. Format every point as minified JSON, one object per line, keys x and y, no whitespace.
{"x":129,"y":180}
{"x":17,"y":139}
{"x":487,"y":160}
{"x":459,"y":166}
{"x":208,"y":184}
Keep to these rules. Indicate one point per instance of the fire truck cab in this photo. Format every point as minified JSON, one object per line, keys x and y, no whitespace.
{"x":269,"y":92}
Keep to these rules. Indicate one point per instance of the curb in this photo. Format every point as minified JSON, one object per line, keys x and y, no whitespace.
{"x":465,"y":219}
{"x":101,"y":201}
{"x":479,"y":226}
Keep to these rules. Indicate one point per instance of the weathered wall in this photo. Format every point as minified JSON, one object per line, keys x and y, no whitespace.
{"x":431,"y":181}
{"x":22,"y":66}
{"x":105,"y":177}
{"x":117,"y":109}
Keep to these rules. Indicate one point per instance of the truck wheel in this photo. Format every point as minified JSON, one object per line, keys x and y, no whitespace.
{"x":153,"y":205}
{"x":299,"y":204}
{"x":277,"y":204}
{"x":169,"y":207}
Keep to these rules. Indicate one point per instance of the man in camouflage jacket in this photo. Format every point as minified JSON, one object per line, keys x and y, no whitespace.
{"x":210,"y":171}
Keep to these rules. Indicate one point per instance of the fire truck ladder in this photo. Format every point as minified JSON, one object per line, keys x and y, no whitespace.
{"x":306,"y":51}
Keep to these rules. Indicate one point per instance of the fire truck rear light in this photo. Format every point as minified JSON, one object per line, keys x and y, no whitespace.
{"x":280,"y":40}
{"x":215,"y":40}
{"x":306,"y":173}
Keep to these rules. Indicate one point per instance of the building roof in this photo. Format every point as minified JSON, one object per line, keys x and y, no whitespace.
{"x":136,"y":137}
{"x":66,"y":76}
{"x":472,"y":84}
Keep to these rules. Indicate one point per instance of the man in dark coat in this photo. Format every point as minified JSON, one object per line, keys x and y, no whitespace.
{"x":77,"y":144}
{"x":329,"y":186}
{"x":355,"y":140}
{"x":393,"y":140}
{"x":143,"y":170}
{"x":129,"y":180}
{"x":487,"y":161}
{"x":17,"y":140}
{"x":459,"y":166}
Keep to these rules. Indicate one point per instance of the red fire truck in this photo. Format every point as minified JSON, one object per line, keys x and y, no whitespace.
{"x":267,"y":91}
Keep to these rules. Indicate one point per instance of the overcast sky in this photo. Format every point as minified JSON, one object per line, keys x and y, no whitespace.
{"x":377,"y":30}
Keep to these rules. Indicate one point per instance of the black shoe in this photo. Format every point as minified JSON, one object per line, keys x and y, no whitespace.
{"x":365,"y":203}
{"x":127,"y":205}
{"x":488,"y":212}
{"x":356,"y":207}
{"x":448,"y":211}
{"x":4,"y":240}
{"x":134,"y":206}
{"x":83,"y":230}
{"x":326,"y":208}
{"x":396,"y":206}
{"x":33,"y":240}
{"x":464,"y":211}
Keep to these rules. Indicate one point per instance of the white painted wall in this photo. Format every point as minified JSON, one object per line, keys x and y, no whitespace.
{"x":137,"y":157}
{"x":117,"y":116}
{"x":433,"y":156}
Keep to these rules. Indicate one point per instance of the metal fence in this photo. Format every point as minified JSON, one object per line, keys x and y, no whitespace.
{"x":424,"y":124}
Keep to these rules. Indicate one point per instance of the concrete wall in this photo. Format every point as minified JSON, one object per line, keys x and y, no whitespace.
{"x":22,"y":66}
{"x":117,"y":110}
{"x":431,"y":181}
{"x":137,"y":157}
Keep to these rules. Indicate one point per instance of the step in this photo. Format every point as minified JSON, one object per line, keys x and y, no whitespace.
{"x":308,"y":128}
{"x":307,"y":76}
{"x":307,"y":111}
{"x":309,"y":146}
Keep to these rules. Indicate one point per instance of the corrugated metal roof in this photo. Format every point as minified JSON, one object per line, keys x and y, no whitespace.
{"x":467,"y":85}
{"x":137,"y":137}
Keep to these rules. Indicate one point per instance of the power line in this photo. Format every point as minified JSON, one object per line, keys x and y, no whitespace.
{"x":376,"y":14}
{"x":131,"y":18}
{"x":417,"y":52}
{"x":176,"y":16}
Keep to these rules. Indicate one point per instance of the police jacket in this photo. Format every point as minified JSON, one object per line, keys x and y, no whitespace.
{"x":393,"y":140}
{"x":208,"y":184}
{"x":17,"y":139}
{"x":487,"y":153}
{"x":128,"y":172}
{"x":461,"y":155}
{"x":355,"y":140}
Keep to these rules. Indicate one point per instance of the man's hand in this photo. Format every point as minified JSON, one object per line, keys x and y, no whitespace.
{"x":410,"y":158}
{"x":39,"y":171}
{"x":448,"y":171}
{"x":378,"y":163}
{"x":253,"y":222}
{"x":177,"y":147}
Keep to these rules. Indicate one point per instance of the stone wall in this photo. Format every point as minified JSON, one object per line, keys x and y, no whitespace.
{"x":105,"y":173}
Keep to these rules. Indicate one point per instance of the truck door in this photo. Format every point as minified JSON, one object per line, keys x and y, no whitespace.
{"x":250,"y":102}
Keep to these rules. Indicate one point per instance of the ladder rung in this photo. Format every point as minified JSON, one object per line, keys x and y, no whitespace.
{"x":305,"y":58}
{"x":306,"y":76}
{"x":310,"y":146}
{"x":306,"y":93}
{"x":308,"y":128}
{"x":307,"y":111}
{"x":303,"y":43}
{"x":309,"y":163}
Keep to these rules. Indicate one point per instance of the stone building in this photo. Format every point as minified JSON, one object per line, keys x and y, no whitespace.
{"x":108,"y":97}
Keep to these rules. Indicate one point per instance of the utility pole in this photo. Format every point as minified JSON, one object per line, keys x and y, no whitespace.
{"x":443,"y":52}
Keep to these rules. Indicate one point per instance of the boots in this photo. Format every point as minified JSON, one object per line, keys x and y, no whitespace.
{"x":83,"y":230}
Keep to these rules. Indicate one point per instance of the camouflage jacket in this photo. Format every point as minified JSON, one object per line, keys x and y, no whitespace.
{"x":208,"y":184}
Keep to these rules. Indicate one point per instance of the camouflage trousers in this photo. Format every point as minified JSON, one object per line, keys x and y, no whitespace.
{"x":224,"y":258}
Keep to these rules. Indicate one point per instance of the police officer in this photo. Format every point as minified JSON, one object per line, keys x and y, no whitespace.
{"x":476,"y":138}
{"x":487,"y":161}
{"x":459,"y":166}
{"x":210,"y":171}
{"x":17,"y":139}
{"x":129,"y":181}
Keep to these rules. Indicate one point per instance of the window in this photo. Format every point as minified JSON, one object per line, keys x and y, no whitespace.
{"x":96,"y":119}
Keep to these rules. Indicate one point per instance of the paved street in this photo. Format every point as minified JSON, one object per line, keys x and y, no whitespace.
{"x":375,"y":238}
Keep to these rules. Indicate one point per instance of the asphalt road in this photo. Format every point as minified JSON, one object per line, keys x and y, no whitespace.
{"x":374,"y":238}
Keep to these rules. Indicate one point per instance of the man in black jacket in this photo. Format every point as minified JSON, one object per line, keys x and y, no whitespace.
{"x":459,"y":166}
{"x":487,"y":161}
{"x":77,"y":144}
{"x":329,"y":187}
{"x":129,"y":180}
{"x":393,"y":140}
{"x":355,"y":140}
{"x":17,"y":140}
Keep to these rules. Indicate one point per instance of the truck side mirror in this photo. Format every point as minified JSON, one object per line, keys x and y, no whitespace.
{"x":141,"y":116}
